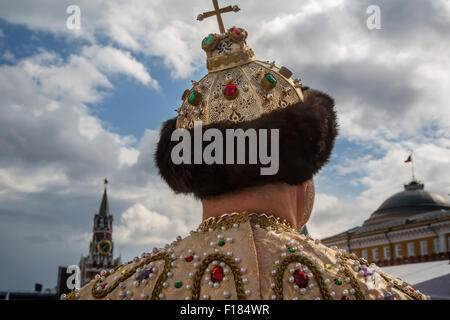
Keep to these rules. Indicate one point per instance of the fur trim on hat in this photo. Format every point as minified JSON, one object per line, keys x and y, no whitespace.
{"x":307,"y":131}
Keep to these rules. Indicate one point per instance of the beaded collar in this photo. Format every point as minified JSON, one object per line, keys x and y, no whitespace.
{"x":256,"y":219}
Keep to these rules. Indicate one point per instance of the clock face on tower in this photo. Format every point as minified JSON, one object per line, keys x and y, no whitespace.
{"x":104,"y":247}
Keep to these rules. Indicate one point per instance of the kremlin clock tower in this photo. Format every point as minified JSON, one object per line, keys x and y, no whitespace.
{"x":101,"y":246}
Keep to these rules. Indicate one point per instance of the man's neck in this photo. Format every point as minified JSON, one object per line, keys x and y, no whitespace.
{"x":279,"y":200}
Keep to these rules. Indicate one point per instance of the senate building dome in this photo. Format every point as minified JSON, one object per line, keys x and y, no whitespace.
{"x":410,"y":226}
{"x":412,"y":201}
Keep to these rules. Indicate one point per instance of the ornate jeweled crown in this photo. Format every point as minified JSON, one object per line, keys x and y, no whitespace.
{"x":238,"y":87}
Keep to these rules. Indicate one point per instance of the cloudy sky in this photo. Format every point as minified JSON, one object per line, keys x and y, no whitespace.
{"x":80,"y":105}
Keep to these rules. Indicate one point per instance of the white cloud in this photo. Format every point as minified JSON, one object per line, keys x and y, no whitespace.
{"x":138,"y":225}
{"x":114,"y":61}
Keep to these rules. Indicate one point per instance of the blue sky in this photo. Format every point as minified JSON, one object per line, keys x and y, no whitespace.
{"x":79,"y":106}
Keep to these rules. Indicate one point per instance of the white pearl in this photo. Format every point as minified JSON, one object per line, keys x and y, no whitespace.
{"x":226,"y":294}
{"x":190,"y":251}
{"x":352,"y":291}
{"x":269,"y":228}
{"x":151,"y":275}
{"x":188,"y":286}
{"x":216,"y":285}
{"x":332,"y":293}
{"x":229,"y":240}
{"x":129,"y":294}
{"x":243,"y":270}
{"x":220,"y":236}
{"x":207,"y":278}
{"x":144,"y":296}
{"x":237,"y":260}
{"x":210,"y":230}
{"x":345,"y":292}
{"x":195,"y":257}
{"x":165,"y":284}
{"x":244,"y":280}
{"x":296,"y":287}
{"x":121,"y":294}
{"x":206,"y":296}
{"x":274,"y":272}
{"x":311,"y":286}
{"x":195,"y":264}
{"x":190,"y":274}
{"x":277,"y":262}
{"x":169,"y":274}
{"x":247,"y":292}
{"x":302,"y":290}
{"x":136,"y":283}
{"x":222,"y":264}
{"x":291,"y":271}
{"x":283,"y":254}
{"x":273,"y":297}
{"x":155,"y":270}
{"x":172,"y":264}
{"x":226,"y":271}
{"x":229,"y":253}
{"x":272,"y":285}
{"x":187,"y":298}
{"x":223,"y":228}
{"x":235,"y":225}
{"x":212,"y":244}
{"x":122,"y":285}
{"x":210,"y":283}
{"x":327,"y":281}
{"x":300,"y":247}
{"x":225,"y":278}
{"x":161,"y":296}
{"x":283,"y":247}
{"x":216,"y":250}
{"x":256,"y":225}
{"x":347,"y":280}
{"x":215,"y":263}
{"x":291,"y":279}
{"x":170,"y":250}
{"x":317,"y":298}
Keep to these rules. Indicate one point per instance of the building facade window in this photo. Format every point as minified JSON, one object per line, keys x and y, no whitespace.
{"x":387,"y":253}
{"x":411,"y":249}
{"x":364,"y":254}
{"x":375,"y":254}
{"x":398,"y":251}
{"x":436,"y":245}
{"x":424,"y":247}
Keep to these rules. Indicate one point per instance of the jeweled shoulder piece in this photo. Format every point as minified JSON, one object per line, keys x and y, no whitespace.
{"x":238,"y":87}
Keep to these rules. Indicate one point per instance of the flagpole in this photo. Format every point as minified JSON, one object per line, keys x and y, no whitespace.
{"x":412,"y":167}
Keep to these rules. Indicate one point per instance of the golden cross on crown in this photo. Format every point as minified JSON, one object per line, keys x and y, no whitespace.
{"x":217,"y":12}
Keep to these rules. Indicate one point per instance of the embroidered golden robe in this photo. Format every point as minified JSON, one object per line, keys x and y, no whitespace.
{"x":246,"y":256}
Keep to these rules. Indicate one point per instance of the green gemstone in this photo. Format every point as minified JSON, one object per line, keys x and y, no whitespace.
{"x":192,"y":96}
{"x":270,"y":78}
{"x":291,"y":250}
{"x":208,"y":39}
{"x":221,"y":242}
{"x":338,"y":282}
{"x":178,"y":284}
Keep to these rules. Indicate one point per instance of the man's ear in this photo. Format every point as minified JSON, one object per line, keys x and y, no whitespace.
{"x":305,"y":201}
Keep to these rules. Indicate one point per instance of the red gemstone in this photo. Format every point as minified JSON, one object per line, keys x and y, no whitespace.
{"x":190,"y":258}
{"x":300,"y":278}
{"x":229,"y":90}
{"x":216,"y":274}
{"x":411,"y":289}
{"x":345,"y":298}
{"x":104,"y":285}
{"x":237,"y":31}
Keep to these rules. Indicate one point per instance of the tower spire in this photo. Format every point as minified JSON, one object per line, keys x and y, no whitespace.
{"x":104,"y":206}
